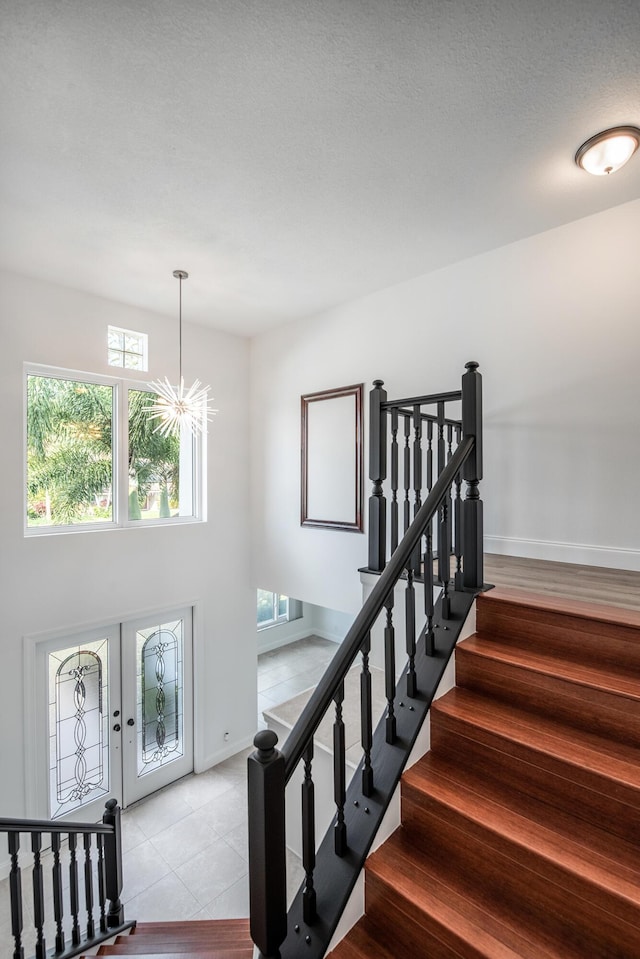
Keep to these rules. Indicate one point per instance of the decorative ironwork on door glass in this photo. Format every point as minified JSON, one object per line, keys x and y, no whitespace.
{"x":78,"y":726}
{"x":159,"y":695}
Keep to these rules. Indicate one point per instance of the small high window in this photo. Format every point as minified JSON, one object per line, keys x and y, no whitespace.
{"x":272,"y":608}
{"x":127,"y":349}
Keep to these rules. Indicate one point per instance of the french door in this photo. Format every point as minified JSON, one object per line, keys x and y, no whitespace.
{"x":118,"y":720}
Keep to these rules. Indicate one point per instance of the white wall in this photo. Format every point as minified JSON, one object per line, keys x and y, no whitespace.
{"x":65,"y":581}
{"x":327,"y":623}
{"x":553,"y":321}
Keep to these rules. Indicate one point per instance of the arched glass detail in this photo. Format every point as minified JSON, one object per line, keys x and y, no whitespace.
{"x":78,"y":727}
{"x":159,"y":695}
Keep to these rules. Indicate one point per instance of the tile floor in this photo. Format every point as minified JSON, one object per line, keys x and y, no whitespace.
{"x":285,"y":672}
{"x":185,"y":847}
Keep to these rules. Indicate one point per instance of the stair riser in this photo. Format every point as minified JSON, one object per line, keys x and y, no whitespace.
{"x":541,"y":893}
{"x":594,"y":710}
{"x":211,"y":950}
{"x":407,"y":931}
{"x":571,"y":789}
{"x":211,"y":927}
{"x":535,"y":629}
{"x":194,"y":939}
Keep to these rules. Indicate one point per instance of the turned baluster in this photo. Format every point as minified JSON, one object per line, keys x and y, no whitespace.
{"x":407,"y":472}
{"x":457,"y":516}
{"x":410,"y":620}
{"x":339,"y":775}
{"x":102,"y":883}
{"x":88,"y":886}
{"x":417,"y":476}
{"x":394,"y":480}
{"x":15,"y":893}
{"x":308,"y":838}
{"x":38,"y":895}
{"x":58,"y":903}
{"x":429,"y":638}
{"x":366,"y":724}
{"x":390,"y":672}
{"x":73,"y":889}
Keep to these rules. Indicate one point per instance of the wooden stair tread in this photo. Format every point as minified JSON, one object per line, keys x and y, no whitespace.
{"x":361,"y":943}
{"x":590,"y":843}
{"x":561,"y":607}
{"x":546,"y":663}
{"x":615,"y":761}
{"x":530,"y":828}
{"x":215,"y":938}
{"x":464,"y":922}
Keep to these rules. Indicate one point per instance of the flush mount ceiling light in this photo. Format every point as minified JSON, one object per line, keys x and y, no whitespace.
{"x":606,"y":152}
{"x":178,"y":407}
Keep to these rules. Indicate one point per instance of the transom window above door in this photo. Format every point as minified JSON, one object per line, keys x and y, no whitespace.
{"x":95,"y":459}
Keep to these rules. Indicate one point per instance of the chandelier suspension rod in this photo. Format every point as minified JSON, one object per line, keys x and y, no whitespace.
{"x":180,"y":275}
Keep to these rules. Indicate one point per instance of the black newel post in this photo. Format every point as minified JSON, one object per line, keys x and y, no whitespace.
{"x":113,"y":864}
{"x":472,"y":520}
{"x":267,"y":862}
{"x":377,"y":474}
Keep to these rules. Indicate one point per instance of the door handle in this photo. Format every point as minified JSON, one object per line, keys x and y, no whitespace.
{"x":116,"y":728}
{"x":130,"y":722}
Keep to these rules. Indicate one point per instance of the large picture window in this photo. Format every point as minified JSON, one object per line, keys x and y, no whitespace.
{"x":94,"y":459}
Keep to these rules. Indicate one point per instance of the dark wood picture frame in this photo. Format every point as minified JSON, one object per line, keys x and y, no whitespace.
{"x":332,"y":464}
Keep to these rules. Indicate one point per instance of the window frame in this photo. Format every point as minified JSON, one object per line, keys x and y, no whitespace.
{"x":119,"y":453}
{"x":144,"y":354}
{"x":275,"y":602}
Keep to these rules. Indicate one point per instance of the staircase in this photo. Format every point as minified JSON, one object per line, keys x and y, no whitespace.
{"x":201,"y":939}
{"x":520,"y":829}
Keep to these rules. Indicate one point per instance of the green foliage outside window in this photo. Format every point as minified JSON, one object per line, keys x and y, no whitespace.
{"x":70,"y":462}
{"x":69,"y":452}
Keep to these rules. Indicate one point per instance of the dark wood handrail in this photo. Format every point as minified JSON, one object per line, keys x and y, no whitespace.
{"x":423,"y":400}
{"x":429,"y":417}
{"x":321,"y":699}
{"x":51,"y":826}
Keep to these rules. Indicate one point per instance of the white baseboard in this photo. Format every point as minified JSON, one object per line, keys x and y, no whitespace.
{"x":294,"y":637}
{"x":323,"y":634}
{"x":611,"y":557}
{"x":228,"y":750}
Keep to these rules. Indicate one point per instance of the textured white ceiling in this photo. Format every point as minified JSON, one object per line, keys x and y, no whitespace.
{"x":293,"y":154}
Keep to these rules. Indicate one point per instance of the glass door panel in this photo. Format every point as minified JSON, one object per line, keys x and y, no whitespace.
{"x":157,"y":693}
{"x":82,"y":676}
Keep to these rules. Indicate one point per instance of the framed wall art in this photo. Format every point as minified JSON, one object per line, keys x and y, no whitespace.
{"x":332,"y":459}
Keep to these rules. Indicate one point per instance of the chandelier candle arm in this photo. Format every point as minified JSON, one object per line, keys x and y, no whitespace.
{"x":179,"y":407}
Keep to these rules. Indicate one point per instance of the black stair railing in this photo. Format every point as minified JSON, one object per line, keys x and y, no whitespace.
{"x":331,"y":870}
{"x":94,"y":869}
{"x":430,"y":435}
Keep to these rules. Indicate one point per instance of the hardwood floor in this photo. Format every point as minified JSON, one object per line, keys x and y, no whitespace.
{"x":593,"y":584}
